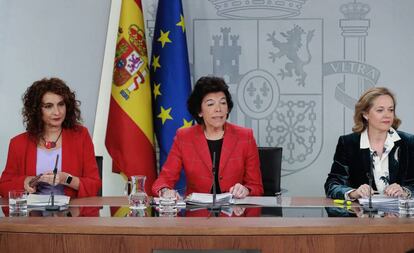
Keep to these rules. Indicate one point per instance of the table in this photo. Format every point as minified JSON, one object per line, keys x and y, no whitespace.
{"x":144,"y":234}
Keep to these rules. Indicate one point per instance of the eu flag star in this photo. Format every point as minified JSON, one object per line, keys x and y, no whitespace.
{"x":164,"y":38}
{"x":156,"y":90}
{"x":181,"y":23}
{"x":156,"y":62}
{"x":165,"y":114}
{"x":186,"y":123}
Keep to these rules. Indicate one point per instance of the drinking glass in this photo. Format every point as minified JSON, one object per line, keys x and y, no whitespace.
{"x":168,"y":203}
{"x":17,"y":203}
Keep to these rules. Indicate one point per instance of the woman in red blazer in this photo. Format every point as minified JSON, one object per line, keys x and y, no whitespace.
{"x":52,"y":119}
{"x":233,"y":148}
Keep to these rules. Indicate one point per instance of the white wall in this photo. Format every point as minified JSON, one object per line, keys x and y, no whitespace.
{"x":112,"y":183}
{"x":47,"y":38}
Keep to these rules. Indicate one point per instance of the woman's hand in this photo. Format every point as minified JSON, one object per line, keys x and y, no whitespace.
{"x":168,"y":193}
{"x":239,"y":191}
{"x":395,"y":190}
{"x":60,"y":179}
{"x":48,"y":178}
{"x":362,"y":192}
{"x":27,"y":186}
{"x":238,"y":210}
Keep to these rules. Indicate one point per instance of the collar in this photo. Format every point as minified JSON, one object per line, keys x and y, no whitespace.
{"x":392,"y":137}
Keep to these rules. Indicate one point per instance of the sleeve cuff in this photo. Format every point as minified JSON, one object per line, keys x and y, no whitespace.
{"x":409,"y":194}
{"x":346,"y":195}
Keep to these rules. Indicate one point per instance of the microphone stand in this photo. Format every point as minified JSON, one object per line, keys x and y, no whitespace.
{"x":52,"y":206}
{"x":214,"y":209}
{"x":370,"y":209}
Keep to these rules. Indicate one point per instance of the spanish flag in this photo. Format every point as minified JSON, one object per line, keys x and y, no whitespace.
{"x":130,"y":134}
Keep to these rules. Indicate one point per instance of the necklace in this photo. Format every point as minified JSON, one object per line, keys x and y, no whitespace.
{"x":215,"y":138}
{"x":52,"y":144}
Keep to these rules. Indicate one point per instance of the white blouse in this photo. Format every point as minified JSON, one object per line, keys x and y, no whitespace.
{"x":381,"y":170}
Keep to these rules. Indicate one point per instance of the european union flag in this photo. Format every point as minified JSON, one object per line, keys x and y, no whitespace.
{"x":170,"y":77}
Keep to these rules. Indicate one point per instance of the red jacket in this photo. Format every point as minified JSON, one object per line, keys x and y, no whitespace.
{"x":78,"y":159}
{"x":239,"y":161}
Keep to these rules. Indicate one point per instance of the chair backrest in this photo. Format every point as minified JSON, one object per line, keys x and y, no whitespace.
{"x":271,"y":166}
{"x":99,"y":162}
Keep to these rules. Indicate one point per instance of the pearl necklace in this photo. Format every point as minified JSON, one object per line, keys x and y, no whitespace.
{"x":213,"y":138}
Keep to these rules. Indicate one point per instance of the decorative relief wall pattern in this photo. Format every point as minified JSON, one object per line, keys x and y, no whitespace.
{"x":275,"y":60}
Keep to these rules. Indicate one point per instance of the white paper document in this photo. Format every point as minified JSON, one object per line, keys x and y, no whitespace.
{"x":37,"y":200}
{"x":206,"y":199}
{"x":379,"y":200}
{"x":227,"y":199}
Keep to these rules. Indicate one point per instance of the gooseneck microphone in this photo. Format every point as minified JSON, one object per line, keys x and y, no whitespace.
{"x":370,"y":209}
{"x":214,"y":209}
{"x":52,"y":206}
{"x":214,"y":180}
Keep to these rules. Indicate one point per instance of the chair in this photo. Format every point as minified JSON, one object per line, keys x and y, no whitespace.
{"x":271,"y":166}
{"x":99,"y":162}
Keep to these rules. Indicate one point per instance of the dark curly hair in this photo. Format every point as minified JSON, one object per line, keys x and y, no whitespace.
{"x":204,"y":86}
{"x":32,"y":105}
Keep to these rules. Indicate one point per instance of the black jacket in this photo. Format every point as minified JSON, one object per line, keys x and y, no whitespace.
{"x":351,"y":165}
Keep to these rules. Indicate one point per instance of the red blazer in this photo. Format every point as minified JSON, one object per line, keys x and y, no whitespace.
{"x":78,"y":159}
{"x":239,"y":161}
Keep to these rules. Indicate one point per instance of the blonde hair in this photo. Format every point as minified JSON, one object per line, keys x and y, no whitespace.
{"x":365,"y":103}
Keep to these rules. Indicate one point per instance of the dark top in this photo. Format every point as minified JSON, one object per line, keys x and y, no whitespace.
{"x":351,"y":165}
{"x":215,"y":147}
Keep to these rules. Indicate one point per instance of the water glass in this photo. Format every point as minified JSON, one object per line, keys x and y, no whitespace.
{"x":135,"y":189}
{"x":168,"y":203}
{"x":18,"y":203}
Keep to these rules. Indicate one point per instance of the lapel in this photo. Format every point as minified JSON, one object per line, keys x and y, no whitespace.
{"x":393,"y":163}
{"x":201,"y":147}
{"x":361,"y":144}
{"x":366,"y":162}
{"x":65,"y":147}
{"x":229,"y":145}
{"x":66,"y":151}
{"x":365,"y":156}
{"x":31,"y":156}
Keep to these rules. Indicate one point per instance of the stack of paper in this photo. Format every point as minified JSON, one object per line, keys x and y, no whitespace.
{"x":207,"y":199}
{"x":382,"y":203}
{"x":379,"y":200}
{"x":36,"y":200}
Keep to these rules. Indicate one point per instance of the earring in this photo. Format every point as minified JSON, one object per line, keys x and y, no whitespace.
{"x":365,"y":117}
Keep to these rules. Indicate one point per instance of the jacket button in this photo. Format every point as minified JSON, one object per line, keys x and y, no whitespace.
{"x":221,"y":177}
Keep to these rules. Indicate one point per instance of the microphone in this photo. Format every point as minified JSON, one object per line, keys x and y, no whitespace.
{"x":214,"y":180}
{"x":370,"y":209}
{"x":52,"y":206}
{"x":213,"y":208}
